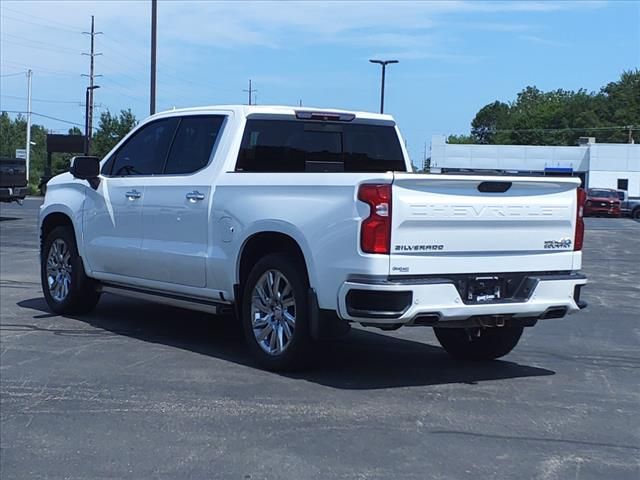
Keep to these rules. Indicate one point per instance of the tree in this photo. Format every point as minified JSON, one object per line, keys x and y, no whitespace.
{"x":460,"y":139}
{"x":487,"y":121}
{"x":111,"y":129}
{"x":560,"y":117}
{"x":13,"y":135}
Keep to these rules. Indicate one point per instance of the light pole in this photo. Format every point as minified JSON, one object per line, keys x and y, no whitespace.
{"x":384,"y":64}
{"x":87,"y":127}
{"x":154,"y":23}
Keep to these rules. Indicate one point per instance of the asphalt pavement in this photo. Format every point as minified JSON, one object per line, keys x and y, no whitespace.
{"x":137,"y":390}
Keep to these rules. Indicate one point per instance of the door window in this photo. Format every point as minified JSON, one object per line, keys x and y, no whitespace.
{"x":146,"y":151}
{"x":193,"y":144}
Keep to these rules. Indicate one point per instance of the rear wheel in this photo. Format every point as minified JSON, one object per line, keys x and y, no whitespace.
{"x":478,"y":343}
{"x":275,"y":313}
{"x":636,"y":214}
{"x":66,"y":287}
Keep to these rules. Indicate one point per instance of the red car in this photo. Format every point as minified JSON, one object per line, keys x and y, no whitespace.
{"x":602,"y":201}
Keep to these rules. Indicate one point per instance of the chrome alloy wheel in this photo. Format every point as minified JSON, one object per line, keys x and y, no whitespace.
{"x":59,"y":270}
{"x":273,"y":312}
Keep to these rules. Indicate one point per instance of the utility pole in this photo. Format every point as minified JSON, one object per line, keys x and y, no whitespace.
{"x":28,"y":146}
{"x":384,"y":64}
{"x":300,"y":104}
{"x":87,"y":134}
{"x":630,"y":128}
{"x":154,"y":23}
{"x":90,"y":88}
{"x":424,"y":155}
{"x":251,"y":92}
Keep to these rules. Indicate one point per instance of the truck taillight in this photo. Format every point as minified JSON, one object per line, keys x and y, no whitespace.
{"x":579,"y":240}
{"x":375,"y":231}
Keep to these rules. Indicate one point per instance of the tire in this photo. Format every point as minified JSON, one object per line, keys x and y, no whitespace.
{"x":636,"y":214}
{"x":478,"y":343}
{"x":66,"y":287}
{"x":275,"y":341}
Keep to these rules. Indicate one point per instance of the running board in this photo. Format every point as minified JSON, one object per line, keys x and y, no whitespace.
{"x":166,"y":299}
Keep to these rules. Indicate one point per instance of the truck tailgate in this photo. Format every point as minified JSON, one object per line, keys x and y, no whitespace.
{"x":472,"y":224}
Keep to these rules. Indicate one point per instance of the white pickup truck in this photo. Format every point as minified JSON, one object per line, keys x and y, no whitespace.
{"x":302,"y":222}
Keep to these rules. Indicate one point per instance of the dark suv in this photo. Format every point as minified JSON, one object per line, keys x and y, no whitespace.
{"x":13,"y":179}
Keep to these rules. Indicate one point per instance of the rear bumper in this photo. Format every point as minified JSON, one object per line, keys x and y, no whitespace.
{"x":8,"y":194}
{"x":437,"y":301}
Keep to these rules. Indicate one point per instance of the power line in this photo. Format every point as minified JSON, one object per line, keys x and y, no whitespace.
{"x":48,"y":20}
{"x":38,"y":24}
{"x":12,"y":74}
{"x":42,"y":100}
{"x":41,"y":68}
{"x":567,"y":129}
{"x":45,"y":116}
{"x":48,"y":44}
{"x":551,"y":130}
{"x":37,"y":47}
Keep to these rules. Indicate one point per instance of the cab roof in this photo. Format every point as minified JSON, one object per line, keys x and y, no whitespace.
{"x":247,"y":110}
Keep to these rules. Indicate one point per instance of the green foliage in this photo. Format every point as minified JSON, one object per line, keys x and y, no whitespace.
{"x":560,"y":117}
{"x":13,"y":135}
{"x":460,"y":139}
{"x":111,"y":130}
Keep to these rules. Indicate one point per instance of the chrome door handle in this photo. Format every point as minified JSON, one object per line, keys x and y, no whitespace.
{"x":133,"y":194}
{"x":195,"y":196}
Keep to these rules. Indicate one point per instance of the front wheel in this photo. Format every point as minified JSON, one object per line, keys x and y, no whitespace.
{"x":275,"y":313}
{"x":66,"y":287}
{"x":478,"y":343}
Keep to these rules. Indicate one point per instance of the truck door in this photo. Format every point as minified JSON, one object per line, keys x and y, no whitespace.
{"x":112,"y":220}
{"x":176,"y":212}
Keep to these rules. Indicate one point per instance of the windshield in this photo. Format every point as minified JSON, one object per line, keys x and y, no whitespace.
{"x":602,"y":193}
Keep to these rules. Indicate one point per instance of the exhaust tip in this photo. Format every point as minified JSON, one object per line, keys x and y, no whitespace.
{"x":426,"y":319}
{"x":554,"y":312}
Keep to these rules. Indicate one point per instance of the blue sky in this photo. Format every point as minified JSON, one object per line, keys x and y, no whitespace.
{"x":455,"y":57}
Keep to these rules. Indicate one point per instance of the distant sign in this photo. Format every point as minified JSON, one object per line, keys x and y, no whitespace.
{"x":65,"y":143}
{"x":21,"y":153}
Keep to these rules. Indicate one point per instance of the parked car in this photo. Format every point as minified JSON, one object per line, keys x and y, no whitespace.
{"x":630,"y":207}
{"x":303,"y":222}
{"x":602,"y":202}
{"x":13,"y":179}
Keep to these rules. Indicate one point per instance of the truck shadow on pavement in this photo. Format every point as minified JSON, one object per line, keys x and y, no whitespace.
{"x":361,"y":360}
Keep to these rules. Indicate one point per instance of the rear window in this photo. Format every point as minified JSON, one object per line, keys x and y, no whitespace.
{"x":297,"y":146}
{"x":602,"y":193}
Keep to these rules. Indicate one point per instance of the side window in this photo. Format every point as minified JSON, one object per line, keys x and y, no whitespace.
{"x":146,"y":151}
{"x":107,"y":166}
{"x":271,"y":146}
{"x":372,"y":148}
{"x":623,"y":184}
{"x":193,"y":144}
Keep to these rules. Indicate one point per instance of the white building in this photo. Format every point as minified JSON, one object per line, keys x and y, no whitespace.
{"x":605,"y":165}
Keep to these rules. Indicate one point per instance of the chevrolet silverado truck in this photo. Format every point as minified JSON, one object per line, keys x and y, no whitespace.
{"x":302,"y":222}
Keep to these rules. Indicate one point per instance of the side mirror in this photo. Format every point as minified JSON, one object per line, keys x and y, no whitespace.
{"x":85,"y":168}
